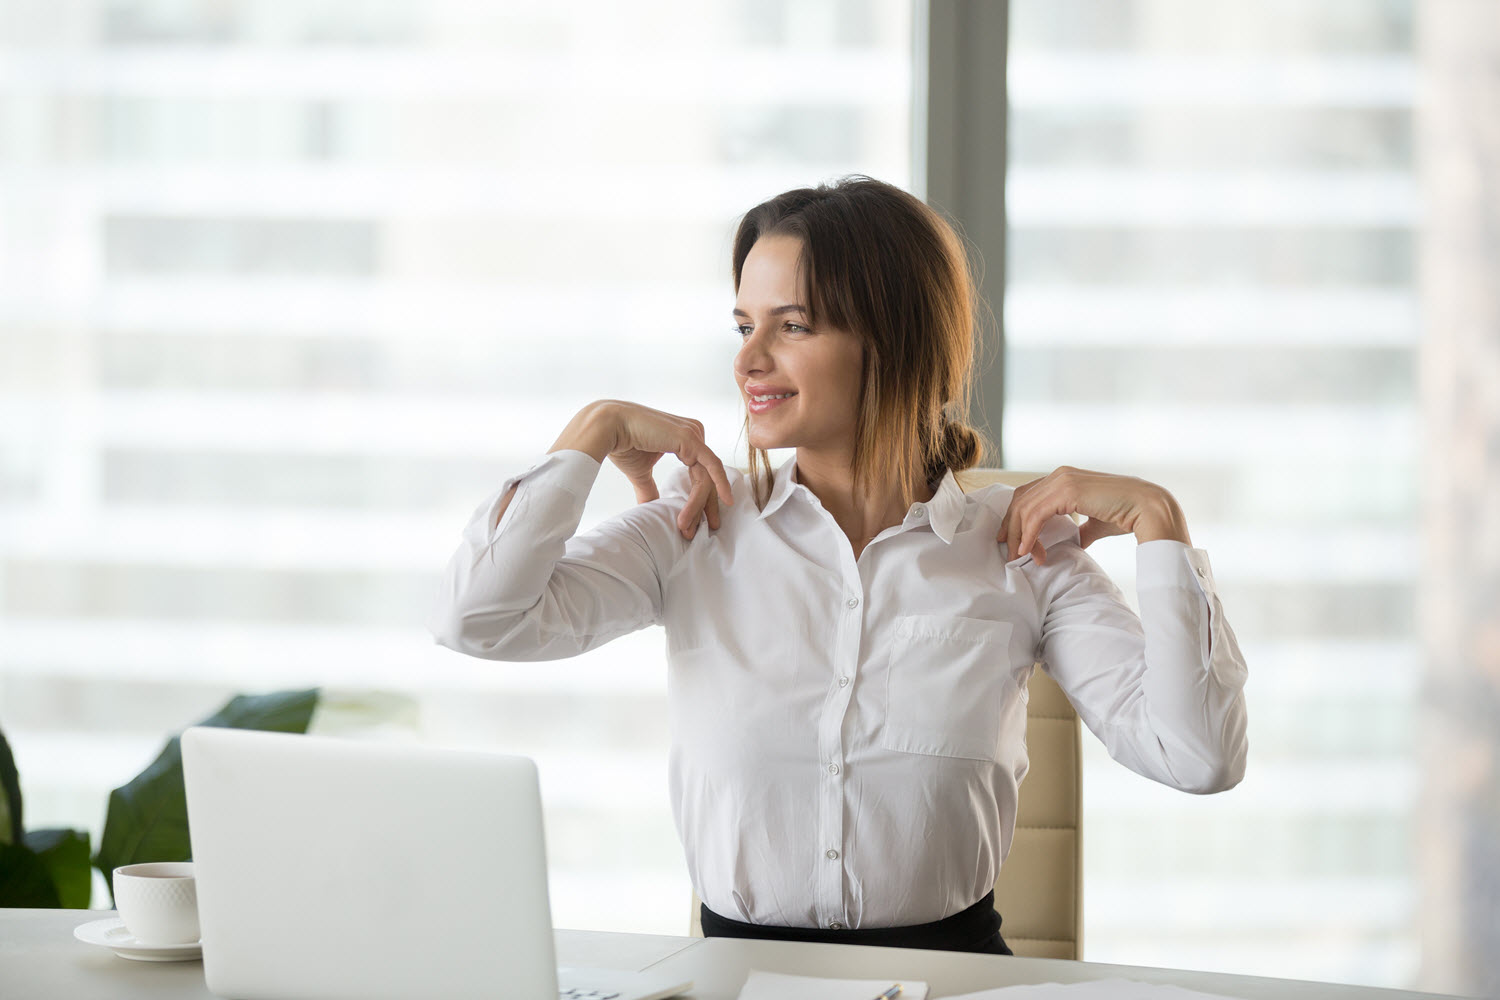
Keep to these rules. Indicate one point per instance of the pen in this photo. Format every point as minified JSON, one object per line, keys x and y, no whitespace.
{"x":890,"y":994}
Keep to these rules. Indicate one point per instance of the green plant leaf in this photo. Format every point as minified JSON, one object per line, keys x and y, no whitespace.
{"x":10,"y":801}
{"x":147,"y":817}
{"x":66,"y":855}
{"x":24,"y":878}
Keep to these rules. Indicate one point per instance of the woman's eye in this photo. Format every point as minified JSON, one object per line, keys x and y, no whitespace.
{"x":743,"y":331}
{"x":797,"y":327}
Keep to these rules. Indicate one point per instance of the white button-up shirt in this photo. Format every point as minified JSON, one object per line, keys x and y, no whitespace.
{"x":849,"y":735}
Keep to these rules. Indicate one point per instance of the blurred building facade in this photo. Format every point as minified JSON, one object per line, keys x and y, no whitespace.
{"x":1211,"y":285}
{"x":286,"y":289}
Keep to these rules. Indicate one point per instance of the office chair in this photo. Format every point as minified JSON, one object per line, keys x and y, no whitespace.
{"x":1040,"y":889}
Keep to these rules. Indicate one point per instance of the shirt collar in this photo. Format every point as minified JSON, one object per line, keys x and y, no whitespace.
{"x":946,"y":508}
{"x":781,"y":488}
{"x":943,"y":511}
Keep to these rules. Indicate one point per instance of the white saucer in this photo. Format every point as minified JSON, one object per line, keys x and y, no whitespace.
{"x":112,"y":934}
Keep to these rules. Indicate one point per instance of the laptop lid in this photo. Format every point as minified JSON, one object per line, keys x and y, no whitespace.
{"x":332,"y":869}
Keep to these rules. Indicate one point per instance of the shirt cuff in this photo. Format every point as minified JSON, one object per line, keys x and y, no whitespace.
{"x":574,"y":471}
{"x":1168,"y":563}
{"x":571,"y":471}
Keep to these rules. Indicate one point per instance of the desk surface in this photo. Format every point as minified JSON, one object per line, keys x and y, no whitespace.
{"x":39,"y":958}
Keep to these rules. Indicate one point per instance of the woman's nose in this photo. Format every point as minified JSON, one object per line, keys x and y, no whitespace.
{"x":752,"y":356}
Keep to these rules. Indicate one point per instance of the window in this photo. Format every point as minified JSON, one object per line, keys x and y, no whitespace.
{"x":287,"y":289}
{"x":1211,"y":285}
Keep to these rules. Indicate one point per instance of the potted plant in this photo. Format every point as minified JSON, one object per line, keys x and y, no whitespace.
{"x":146,"y":819}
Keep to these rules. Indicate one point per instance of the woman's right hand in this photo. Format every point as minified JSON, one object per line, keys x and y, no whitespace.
{"x":635,"y":437}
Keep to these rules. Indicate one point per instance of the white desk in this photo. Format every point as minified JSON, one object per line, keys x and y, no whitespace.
{"x":40,"y":960}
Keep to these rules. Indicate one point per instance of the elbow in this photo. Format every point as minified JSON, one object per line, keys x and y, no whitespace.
{"x":490,"y":634}
{"x":1216,"y":773}
{"x":450,"y":627}
{"x":1219,"y":761}
{"x":448,"y":630}
{"x":1211,"y":780}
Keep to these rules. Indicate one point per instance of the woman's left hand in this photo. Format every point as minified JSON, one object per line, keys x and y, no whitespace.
{"x":1114,"y":505}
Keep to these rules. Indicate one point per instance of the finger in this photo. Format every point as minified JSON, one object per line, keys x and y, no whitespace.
{"x":1015,"y":535}
{"x":694,"y":453}
{"x":1030,"y":538}
{"x":713,"y":511}
{"x":1016,"y":496}
{"x":1022,"y":501}
{"x":646,"y":491}
{"x":720,"y":477}
{"x":692,"y":511}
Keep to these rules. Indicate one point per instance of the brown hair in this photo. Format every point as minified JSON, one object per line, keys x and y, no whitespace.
{"x":880,"y":263}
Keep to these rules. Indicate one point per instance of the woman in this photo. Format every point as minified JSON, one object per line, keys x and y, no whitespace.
{"x":850,"y":640}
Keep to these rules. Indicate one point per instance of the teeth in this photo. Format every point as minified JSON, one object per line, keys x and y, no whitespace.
{"x":762,"y":399}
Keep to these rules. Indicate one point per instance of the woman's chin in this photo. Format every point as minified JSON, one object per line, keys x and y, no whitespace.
{"x":766,"y":442}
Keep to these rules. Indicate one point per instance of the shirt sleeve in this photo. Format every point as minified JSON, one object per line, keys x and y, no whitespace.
{"x":526,"y":588}
{"x":1163,"y":691}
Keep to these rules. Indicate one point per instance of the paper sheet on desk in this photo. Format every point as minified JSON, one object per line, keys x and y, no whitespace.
{"x":775,"y":986}
{"x":1101,"y":989}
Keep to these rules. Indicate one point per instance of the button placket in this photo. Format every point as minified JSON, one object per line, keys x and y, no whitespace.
{"x":848,"y":637}
{"x":830,"y":880}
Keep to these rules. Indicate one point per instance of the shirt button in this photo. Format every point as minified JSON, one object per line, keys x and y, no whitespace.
{"x":834,"y":925}
{"x":917,"y":510}
{"x":831,"y":854}
{"x":852,"y":602}
{"x":843,"y":682}
{"x":833,"y":769}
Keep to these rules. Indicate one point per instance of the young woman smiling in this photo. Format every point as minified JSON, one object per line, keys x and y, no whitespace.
{"x":850,"y":640}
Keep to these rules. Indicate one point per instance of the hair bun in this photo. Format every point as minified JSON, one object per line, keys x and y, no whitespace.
{"x":960,"y":447}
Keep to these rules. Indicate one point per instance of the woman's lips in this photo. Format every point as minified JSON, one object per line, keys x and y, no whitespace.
{"x":757,"y":406}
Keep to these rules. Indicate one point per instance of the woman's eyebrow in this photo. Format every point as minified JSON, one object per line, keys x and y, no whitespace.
{"x":778,"y":311}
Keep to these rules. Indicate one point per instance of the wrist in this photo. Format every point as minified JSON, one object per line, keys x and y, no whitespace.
{"x":592,"y":431}
{"x":1163,"y":521}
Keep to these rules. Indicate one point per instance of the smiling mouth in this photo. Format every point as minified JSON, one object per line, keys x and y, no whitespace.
{"x":763,"y":404}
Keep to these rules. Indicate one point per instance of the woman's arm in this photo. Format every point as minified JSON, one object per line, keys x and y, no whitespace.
{"x":589,"y":431}
{"x":1114,"y":505}
{"x":635,"y":438}
{"x":1162,"y":691}
{"x":521,"y":586}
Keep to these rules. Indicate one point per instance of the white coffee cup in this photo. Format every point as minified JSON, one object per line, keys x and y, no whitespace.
{"x":158,"y":902}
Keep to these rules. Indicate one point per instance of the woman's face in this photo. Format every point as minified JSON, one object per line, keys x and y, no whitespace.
{"x":781,"y":353}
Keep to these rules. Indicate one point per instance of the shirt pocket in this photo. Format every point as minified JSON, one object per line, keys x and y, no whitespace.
{"x":945,"y":686}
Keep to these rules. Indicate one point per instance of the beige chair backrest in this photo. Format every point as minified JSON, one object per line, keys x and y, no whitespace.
{"x":1040,"y":890}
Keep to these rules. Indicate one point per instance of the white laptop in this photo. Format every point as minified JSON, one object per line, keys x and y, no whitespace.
{"x":331,"y":869}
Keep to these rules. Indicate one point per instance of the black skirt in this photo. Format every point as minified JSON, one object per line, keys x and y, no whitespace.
{"x":974,"y":929}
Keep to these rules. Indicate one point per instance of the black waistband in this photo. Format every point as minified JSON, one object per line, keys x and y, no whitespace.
{"x":974,"y":929}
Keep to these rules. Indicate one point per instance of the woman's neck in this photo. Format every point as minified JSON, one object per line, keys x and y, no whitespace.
{"x":861,"y":515}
